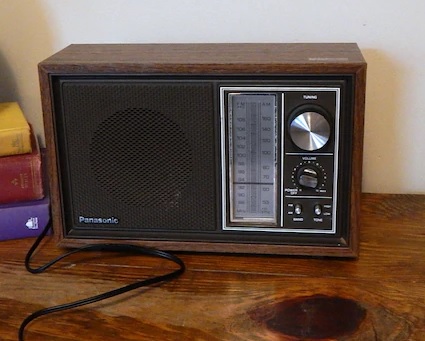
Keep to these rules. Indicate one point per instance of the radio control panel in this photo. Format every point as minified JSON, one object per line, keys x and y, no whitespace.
{"x":279,"y":158}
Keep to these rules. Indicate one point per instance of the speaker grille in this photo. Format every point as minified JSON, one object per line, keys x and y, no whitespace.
{"x":152,"y":158}
{"x":143,"y":152}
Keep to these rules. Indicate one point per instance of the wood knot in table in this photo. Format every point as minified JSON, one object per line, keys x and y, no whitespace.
{"x":313,"y":317}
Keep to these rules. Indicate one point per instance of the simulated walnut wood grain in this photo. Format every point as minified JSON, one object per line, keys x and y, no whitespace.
{"x":212,"y":59}
{"x":379,"y":296}
{"x":206,"y":58}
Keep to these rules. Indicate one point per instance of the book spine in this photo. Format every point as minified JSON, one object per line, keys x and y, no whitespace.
{"x":24,"y":221}
{"x":14,"y":142}
{"x":20,"y":178}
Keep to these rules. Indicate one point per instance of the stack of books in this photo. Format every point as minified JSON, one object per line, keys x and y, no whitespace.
{"x":24,"y":203}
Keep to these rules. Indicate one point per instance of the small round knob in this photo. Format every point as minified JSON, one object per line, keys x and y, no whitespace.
{"x":298,"y":209}
{"x":309,"y":130}
{"x":317,"y":209}
{"x":308,"y":177}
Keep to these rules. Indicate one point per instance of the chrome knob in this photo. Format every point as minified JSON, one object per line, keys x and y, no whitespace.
{"x":309,"y":130}
{"x":298,"y":209}
{"x":317,"y":209}
{"x":308,"y":177}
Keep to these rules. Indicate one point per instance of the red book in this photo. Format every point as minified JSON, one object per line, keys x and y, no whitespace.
{"x":21,"y":176}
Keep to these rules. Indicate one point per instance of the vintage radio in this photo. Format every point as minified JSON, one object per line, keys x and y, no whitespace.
{"x":246,"y":148}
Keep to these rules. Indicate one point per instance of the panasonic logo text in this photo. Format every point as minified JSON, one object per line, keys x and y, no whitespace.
{"x":98,"y":220}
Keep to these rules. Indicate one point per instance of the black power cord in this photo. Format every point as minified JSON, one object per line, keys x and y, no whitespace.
{"x":98,"y":247}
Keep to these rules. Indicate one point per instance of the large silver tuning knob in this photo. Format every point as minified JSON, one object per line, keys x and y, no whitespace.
{"x":309,"y":130}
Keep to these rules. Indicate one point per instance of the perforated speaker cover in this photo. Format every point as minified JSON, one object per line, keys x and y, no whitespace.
{"x":141,"y":152}
{"x":147,"y":139}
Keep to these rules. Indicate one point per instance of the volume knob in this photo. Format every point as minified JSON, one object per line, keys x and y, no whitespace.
{"x":309,"y":130}
{"x":308,"y":177}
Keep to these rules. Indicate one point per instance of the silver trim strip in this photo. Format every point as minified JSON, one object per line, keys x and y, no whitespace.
{"x":320,"y":154}
{"x":224,"y":156}
{"x":307,"y":197}
{"x":277,"y":229}
{"x":282,"y":150}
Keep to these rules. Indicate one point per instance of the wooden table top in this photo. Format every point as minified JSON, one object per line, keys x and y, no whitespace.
{"x":380,"y":296}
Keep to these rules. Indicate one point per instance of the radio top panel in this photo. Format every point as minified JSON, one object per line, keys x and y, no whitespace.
{"x":250,"y":58}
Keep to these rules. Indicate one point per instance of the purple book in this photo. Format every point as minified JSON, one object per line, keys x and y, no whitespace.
{"x":24,"y":219}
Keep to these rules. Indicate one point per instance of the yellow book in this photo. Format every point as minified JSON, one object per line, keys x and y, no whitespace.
{"x":15,"y":137}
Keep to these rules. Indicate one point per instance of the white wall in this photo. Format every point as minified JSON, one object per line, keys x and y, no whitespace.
{"x":390,"y":34}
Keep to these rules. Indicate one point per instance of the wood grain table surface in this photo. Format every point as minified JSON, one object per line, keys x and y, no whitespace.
{"x":379,"y":296}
